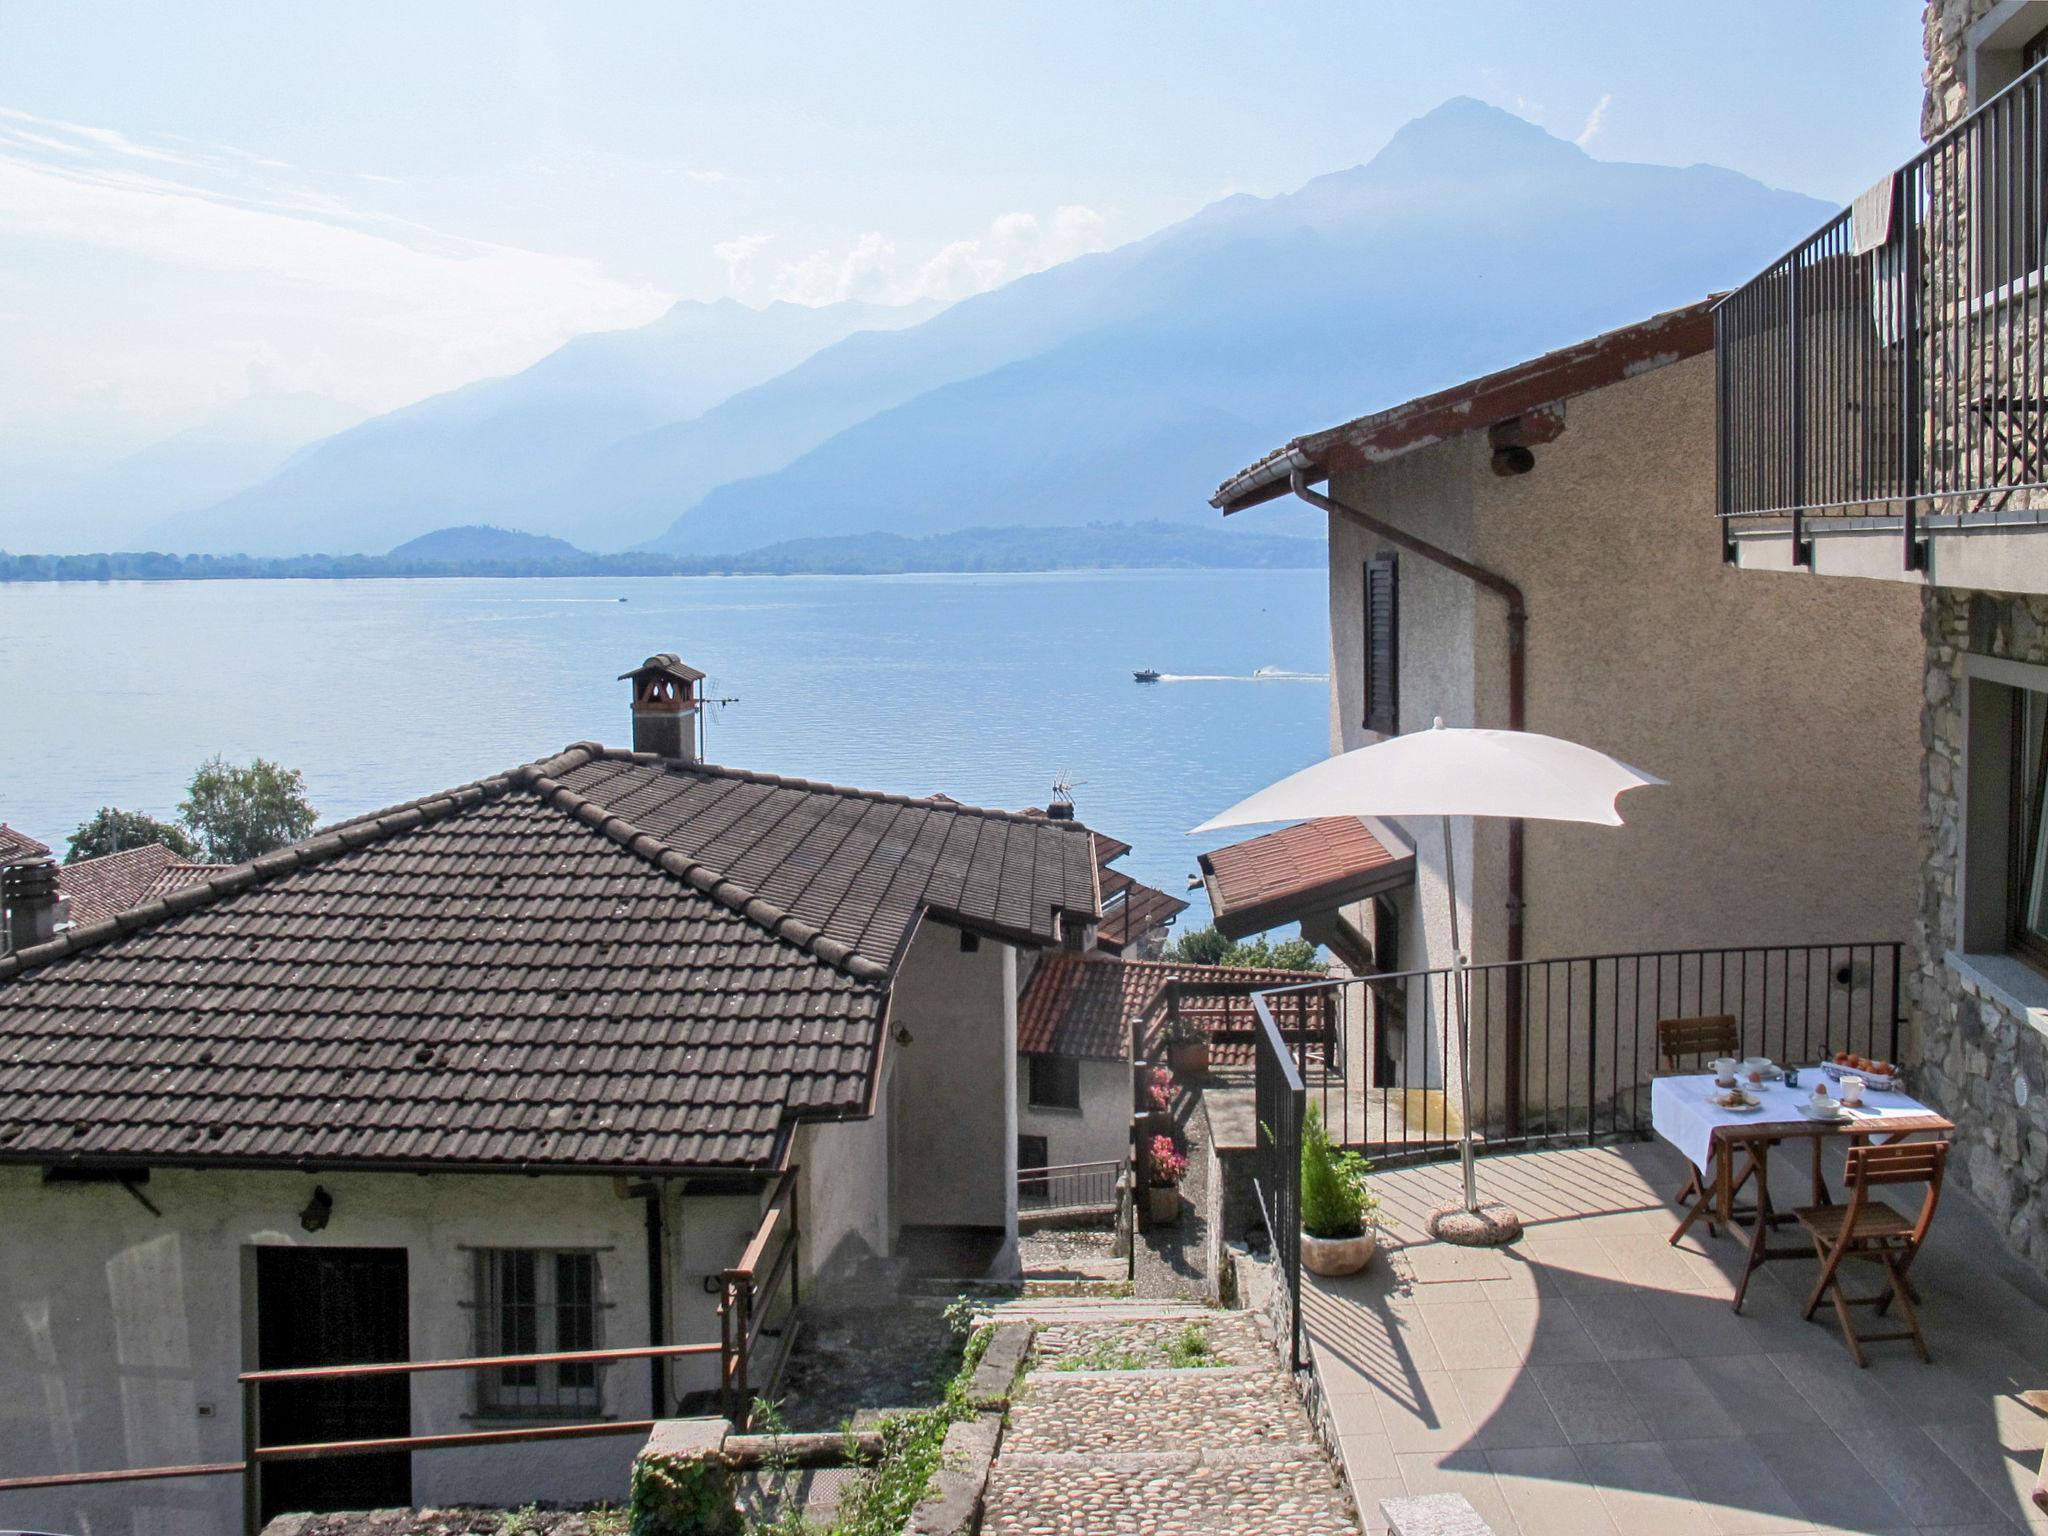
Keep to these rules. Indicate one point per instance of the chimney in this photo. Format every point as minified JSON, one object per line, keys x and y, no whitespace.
{"x":665,"y":706}
{"x":28,"y":892}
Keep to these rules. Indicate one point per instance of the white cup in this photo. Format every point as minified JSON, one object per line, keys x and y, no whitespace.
{"x":1852,"y":1089}
{"x":1724,"y":1071}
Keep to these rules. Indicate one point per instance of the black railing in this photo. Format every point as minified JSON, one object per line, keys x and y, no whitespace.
{"x":1281,"y":1100}
{"x":1895,"y":363}
{"x":1070,"y":1187}
{"x":1587,"y":1029}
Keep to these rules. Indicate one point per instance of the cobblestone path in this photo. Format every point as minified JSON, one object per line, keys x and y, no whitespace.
{"x":1155,"y":1449}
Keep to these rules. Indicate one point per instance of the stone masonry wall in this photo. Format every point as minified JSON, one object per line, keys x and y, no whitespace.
{"x":1983,"y":1066}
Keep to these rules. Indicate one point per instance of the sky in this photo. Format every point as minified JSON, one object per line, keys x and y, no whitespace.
{"x":208,"y":206}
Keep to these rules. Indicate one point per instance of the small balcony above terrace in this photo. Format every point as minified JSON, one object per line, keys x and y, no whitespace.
{"x":1882,"y":397}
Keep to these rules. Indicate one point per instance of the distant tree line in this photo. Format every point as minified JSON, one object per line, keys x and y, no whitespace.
{"x":1205,"y":946}
{"x":1099,"y":546}
{"x":230,"y":814}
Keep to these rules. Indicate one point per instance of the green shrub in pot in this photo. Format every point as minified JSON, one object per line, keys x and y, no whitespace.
{"x":1337,"y":1203}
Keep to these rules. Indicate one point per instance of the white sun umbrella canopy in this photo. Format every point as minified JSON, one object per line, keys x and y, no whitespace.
{"x":1446,"y":772}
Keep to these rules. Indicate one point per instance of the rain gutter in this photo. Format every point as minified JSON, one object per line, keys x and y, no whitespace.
{"x":1517,"y":635}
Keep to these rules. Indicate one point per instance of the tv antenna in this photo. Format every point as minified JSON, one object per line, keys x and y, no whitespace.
{"x":705,"y":705}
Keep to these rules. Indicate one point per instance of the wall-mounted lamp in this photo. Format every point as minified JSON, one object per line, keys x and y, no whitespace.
{"x":903,"y":1036}
{"x":314,"y":1217}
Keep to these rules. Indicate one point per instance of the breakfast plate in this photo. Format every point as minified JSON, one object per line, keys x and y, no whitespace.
{"x":1735,"y":1103}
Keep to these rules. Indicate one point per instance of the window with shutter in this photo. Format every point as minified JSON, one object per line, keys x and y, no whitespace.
{"x":1382,"y":647}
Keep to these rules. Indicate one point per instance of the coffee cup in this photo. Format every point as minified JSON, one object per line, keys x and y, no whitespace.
{"x":1724,"y":1071}
{"x":1852,"y":1088}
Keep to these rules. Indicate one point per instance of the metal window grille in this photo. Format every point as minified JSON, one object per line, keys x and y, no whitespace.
{"x":533,"y":1301}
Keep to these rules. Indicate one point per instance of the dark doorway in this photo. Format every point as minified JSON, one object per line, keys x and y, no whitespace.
{"x":333,"y":1306}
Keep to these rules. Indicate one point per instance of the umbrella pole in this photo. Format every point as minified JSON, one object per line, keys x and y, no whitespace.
{"x":1463,"y":1029}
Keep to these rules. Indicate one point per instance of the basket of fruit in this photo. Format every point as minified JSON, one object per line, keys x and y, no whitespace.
{"x":1879,"y":1076}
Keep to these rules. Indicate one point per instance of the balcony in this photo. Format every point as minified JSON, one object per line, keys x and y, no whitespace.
{"x":1882,"y":397}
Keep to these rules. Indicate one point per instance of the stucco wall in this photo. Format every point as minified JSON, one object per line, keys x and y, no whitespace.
{"x":117,"y":1328}
{"x":1099,"y":1131}
{"x":1782,"y":711}
{"x":954,"y":1126}
{"x":847,"y":1222}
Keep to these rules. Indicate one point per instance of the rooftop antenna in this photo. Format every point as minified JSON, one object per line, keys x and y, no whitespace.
{"x":709,"y":703}
{"x":1062,"y":796}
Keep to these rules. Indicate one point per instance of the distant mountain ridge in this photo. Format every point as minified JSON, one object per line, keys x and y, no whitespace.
{"x":1118,"y":388}
{"x":479,"y":541}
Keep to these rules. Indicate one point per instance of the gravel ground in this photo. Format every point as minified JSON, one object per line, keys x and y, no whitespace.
{"x":1075,"y":1253}
{"x":851,"y":1359}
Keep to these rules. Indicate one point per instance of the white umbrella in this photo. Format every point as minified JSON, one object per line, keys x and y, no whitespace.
{"x":1445,"y":772}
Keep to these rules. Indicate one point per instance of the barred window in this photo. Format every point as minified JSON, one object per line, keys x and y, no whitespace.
{"x":531,"y":1301}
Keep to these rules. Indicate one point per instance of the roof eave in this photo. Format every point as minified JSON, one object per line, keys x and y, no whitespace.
{"x":1312,"y":901}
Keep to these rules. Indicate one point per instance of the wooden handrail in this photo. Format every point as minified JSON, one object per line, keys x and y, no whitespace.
{"x":750,"y":1261}
{"x":317,"y":1449}
{"x":1050,"y":1168}
{"x":132,"y":1475}
{"x":480,"y":1362}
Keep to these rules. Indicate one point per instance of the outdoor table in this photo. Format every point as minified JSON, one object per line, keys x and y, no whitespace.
{"x":1681,"y":1113}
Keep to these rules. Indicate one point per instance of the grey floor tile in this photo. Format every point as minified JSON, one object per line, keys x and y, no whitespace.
{"x":1918,"y":1475}
{"x":1468,"y":1336}
{"x":1506,"y":1408}
{"x":1756,"y":1394}
{"x":1549,"y":1494}
{"x":1742,"y":1496}
{"x":1675,"y":1402}
{"x":1831,"y":1487}
{"x":1466,"y":1472}
{"x":1546,"y":1331}
{"x":1590,"y":1403}
{"x":1643,"y":1490}
{"x":1622,"y":1328}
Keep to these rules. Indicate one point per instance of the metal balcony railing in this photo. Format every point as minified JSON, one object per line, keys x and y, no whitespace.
{"x":1894,"y":365}
{"x":1070,"y":1187}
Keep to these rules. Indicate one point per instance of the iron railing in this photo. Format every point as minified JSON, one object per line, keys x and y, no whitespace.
{"x":1281,"y":1101}
{"x":1069,"y":1187}
{"x":1894,"y":365}
{"x":1581,"y":1067}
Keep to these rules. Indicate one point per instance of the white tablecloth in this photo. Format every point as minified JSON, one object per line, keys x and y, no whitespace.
{"x":1681,"y":1113}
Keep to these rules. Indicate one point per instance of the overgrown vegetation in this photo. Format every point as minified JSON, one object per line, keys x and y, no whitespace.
{"x":1336,"y":1200}
{"x":1205,"y":946}
{"x":1192,"y":1349}
{"x":880,"y":1500}
{"x":1103,"y":1355}
{"x":684,"y":1496}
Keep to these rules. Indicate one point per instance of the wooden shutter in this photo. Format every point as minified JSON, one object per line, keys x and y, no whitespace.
{"x":1382,"y":646}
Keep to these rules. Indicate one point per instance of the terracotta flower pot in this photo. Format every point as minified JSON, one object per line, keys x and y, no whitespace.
{"x":1164,"y":1202}
{"x":1338,"y":1255}
{"x":1188,"y":1058}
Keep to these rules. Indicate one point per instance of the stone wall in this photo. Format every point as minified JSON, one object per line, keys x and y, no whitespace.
{"x":1981,"y":1061}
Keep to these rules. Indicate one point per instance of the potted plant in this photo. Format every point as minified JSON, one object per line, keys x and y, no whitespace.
{"x":1156,"y":1095}
{"x":1165,"y":1166}
{"x":1337,"y":1235}
{"x":1187,"y":1047}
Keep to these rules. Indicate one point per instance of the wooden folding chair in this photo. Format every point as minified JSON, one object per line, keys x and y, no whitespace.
{"x":1686,"y":1045}
{"x":1875,"y":1232}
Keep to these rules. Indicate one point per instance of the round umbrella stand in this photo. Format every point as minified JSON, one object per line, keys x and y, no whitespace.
{"x":1487,"y":1226}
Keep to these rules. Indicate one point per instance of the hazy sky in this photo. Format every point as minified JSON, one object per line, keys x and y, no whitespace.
{"x":373,"y":201}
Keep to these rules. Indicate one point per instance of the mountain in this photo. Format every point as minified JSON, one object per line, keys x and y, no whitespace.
{"x":478,"y":541}
{"x":470,"y":454}
{"x":1473,"y":240}
{"x":115,"y":505}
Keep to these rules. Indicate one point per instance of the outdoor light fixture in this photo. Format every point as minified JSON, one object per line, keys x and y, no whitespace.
{"x":903,"y":1034}
{"x":314,"y":1217}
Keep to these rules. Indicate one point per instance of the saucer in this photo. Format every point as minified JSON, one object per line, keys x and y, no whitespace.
{"x":1837,"y":1113}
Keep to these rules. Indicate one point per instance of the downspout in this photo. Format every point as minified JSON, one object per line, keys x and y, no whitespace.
{"x":1517,"y":631}
{"x":657,"y":1298}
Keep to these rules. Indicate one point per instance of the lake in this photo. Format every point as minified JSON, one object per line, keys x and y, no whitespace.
{"x":986,"y":687}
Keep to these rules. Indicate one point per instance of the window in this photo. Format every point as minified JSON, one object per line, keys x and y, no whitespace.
{"x":1055,"y":1082}
{"x":532,"y":1301}
{"x":1382,"y":647}
{"x":2026,"y":907}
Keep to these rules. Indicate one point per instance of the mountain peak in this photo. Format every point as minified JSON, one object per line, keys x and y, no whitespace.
{"x":1464,"y":136}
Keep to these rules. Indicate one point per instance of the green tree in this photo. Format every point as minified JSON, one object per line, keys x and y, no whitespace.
{"x":240,"y":813}
{"x":112,"y":829}
{"x":1205,"y":946}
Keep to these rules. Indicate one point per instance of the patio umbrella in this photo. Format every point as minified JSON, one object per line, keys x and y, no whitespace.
{"x":1445,"y":772}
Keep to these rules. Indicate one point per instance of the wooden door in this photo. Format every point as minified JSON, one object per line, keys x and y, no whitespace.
{"x":333,"y":1306}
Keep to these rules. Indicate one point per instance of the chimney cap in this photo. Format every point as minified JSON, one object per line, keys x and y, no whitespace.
{"x":665,"y":664}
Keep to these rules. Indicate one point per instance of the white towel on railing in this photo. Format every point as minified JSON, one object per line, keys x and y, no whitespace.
{"x":1870,"y":216}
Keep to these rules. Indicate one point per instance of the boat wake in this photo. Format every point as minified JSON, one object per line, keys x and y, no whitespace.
{"x":1263,"y":675}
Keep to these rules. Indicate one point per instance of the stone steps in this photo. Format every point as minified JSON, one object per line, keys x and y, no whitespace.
{"x":1292,"y":1495}
{"x":1111,"y":1412}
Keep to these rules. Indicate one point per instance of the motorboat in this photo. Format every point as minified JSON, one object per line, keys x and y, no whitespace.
{"x":1149,"y":675}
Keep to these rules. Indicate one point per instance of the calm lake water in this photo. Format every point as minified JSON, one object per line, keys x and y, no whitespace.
{"x":984,"y":687}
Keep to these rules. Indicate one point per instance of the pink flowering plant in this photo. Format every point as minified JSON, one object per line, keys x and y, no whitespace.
{"x":1159,"y":1088}
{"x":1165,"y":1162}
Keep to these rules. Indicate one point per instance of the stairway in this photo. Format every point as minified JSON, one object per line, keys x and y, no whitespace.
{"x":1107,"y":1435}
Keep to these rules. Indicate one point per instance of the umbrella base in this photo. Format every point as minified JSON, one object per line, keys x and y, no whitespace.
{"x":1488,"y":1227}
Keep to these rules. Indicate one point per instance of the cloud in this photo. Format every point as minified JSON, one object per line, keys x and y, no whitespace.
{"x":738,"y":256}
{"x":872,"y":267}
{"x":271,"y":251}
{"x":1595,"y":121}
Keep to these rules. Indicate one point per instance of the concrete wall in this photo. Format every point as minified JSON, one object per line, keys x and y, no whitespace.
{"x":121,"y":1332}
{"x":848,"y":1225}
{"x":1099,"y":1131}
{"x":954,"y":1122}
{"x":1783,"y":711}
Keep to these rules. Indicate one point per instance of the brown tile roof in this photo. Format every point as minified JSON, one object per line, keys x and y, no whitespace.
{"x":181,"y":873}
{"x":16,"y":847}
{"x":1095,"y":1005}
{"x":1130,"y":909}
{"x":597,"y":961}
{"x":114,"y":882}
{"x":1299,"y":871}
{"x":1537,"y":386}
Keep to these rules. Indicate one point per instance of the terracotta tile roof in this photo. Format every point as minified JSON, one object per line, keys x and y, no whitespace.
{"x":15,"y":847}
{"x":180,"y":873}
{"x":597,"y":961}
{"x":114,"y":882}
{"x":1095,"y":1005}
{"x":1298,"y":872}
